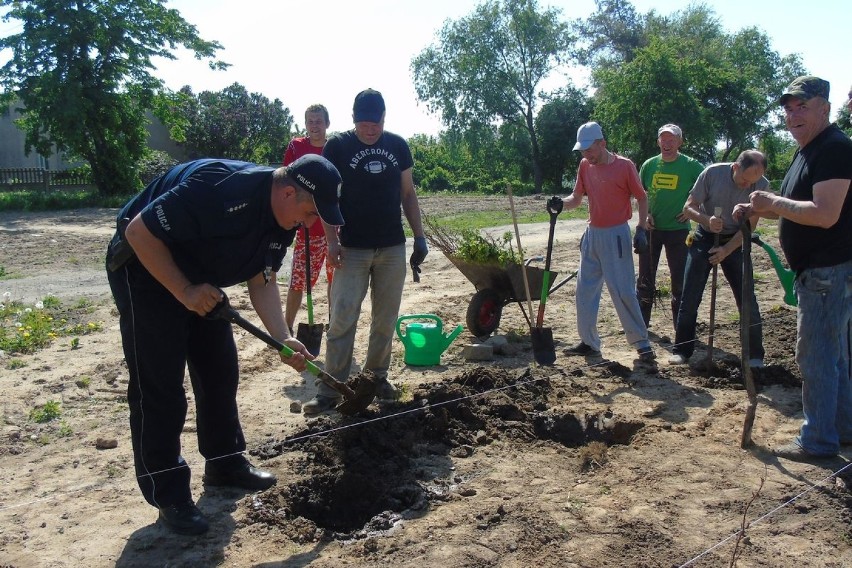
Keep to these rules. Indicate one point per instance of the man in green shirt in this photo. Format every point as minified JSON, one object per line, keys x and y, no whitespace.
{"x":667,"y":178}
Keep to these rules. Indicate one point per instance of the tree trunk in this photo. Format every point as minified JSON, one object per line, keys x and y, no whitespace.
{"x":538,"y":176}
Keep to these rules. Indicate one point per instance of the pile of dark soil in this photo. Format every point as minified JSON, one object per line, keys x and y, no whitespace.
{"x":362,"y":475}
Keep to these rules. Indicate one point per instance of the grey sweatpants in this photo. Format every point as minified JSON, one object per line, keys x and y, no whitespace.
{"x":606,"y":256}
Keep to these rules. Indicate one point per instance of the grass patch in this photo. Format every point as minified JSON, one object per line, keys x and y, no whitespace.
{"x":6,"y":275}
{"x":663,"y":291}
{"x":64,"y":430}
{"x":40,"y":200}
{"x":50,"y":410}
{"x":483,"y":219}
{"x":501,"y":215}
{"x":26,"y":329}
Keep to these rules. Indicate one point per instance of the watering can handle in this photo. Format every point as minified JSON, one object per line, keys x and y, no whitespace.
{"x":415,"y":316}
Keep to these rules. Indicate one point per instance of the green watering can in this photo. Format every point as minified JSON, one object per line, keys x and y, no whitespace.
{"x":786,"y":276}
{"x":424,"y":341}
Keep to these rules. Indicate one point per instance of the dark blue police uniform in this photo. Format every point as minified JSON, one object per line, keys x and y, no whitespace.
{"x":215,"y":217}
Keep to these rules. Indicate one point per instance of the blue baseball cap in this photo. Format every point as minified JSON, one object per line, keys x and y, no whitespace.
{"x":320,"y":178}
{"x":587,"y":134}
{"x":369,"y":106}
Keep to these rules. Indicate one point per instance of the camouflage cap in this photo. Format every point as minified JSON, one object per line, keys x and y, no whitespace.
{"x":671,"y":128}
{"x":805,"y":87}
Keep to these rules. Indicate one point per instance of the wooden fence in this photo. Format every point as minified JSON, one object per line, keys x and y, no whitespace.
{"x":39,"y":178}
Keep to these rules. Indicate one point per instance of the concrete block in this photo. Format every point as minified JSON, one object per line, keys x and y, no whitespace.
{"x":498,"y":343}
{"x":478,"y":352}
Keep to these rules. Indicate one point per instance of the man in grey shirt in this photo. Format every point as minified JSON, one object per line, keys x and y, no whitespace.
{"x":720,"y":186}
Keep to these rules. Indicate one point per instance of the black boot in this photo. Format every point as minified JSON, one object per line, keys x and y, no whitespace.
{"x":184,"y":518}
{"x":244,"y":476}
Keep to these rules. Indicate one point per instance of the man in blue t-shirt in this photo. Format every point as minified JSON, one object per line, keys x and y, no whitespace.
{"x":369,"y":250}
{"x":815,"y":231}
{"x":204,"y":225}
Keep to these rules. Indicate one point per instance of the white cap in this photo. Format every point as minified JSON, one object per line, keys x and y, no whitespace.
{"x":587,"y":134}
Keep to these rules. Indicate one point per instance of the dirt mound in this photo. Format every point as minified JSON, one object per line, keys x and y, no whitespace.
{"x":725,"y":369}
{"x":365,"y":474}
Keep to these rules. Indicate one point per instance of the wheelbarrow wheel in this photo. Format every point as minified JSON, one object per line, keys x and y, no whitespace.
{"x":483,"y":312}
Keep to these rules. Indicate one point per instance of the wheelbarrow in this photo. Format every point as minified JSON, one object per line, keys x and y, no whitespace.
{"x":498,"y":286}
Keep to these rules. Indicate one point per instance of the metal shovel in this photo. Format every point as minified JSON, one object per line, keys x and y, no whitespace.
{"x":310,"y":334}
{"x":534,"y":332}
{"x":353,"y":401}
{"x":544,"y":351}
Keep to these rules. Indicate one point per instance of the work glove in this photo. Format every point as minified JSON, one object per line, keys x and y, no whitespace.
{"x":640,"y":241}
{"x":555,"y":204}
{"x":417,"y":255}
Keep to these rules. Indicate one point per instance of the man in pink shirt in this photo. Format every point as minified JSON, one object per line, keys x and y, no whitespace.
{"x":609,"y":181}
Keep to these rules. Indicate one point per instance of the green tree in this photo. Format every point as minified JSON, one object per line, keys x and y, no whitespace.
{"x":844,"y":120}
{"x":613,"y":33}
{"x":468,"y":161}
{"x":683,"y":68}
{"x":779,"y":149}
{"x":488,"y":66}
{"x":231,"y":123}
{"x":557,"y":124}
{"x":81,"y":72}
{"x":635,"y":99}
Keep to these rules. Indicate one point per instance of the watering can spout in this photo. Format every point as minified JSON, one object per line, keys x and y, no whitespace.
{"x":455,"y":333}
{"x":424,"y":341}
{"x":786,"y":276}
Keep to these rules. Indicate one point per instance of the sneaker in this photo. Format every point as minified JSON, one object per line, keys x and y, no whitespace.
{"x":755,"y":363}
{"x":678,"y":359}
{"x":581,"y":349}
{"x":793,"y":451}
{"x":320,"y":404}
{"x":646,"y":355}
{"x":387,"y":391}
{"x":184,"y":518}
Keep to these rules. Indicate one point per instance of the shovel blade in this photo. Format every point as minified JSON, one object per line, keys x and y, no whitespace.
{"x":544,"y":351}
{"x":311,"y":336}
{"x":364,"y":394}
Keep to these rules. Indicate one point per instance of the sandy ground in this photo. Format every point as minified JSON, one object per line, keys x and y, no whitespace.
{"x":482,"y":463}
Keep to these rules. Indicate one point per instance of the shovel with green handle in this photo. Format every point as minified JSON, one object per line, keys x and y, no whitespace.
{"x":353,"y":401}
{"x":544,"y":350}
{"x":310,"y":334}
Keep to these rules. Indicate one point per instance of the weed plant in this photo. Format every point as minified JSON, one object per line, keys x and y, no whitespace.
{"x":473,"y":247}
{"x":50,"y":410}
{"x":26,"y":329}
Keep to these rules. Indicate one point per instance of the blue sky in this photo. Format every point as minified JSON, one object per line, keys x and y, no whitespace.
{"x":327,"y":50}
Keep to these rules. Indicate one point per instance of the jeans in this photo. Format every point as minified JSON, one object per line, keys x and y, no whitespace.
{"x":822,"y":352}
{"x":675,"y":244}
{"x":695,"y":276}
{"x":606,"y":257}
{"x":383,"y":272}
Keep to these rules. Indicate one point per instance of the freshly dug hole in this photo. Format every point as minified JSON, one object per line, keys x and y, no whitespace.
{"x":364,"y":476}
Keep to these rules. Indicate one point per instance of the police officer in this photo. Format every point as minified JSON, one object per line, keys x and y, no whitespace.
{"x":204,"y":225}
